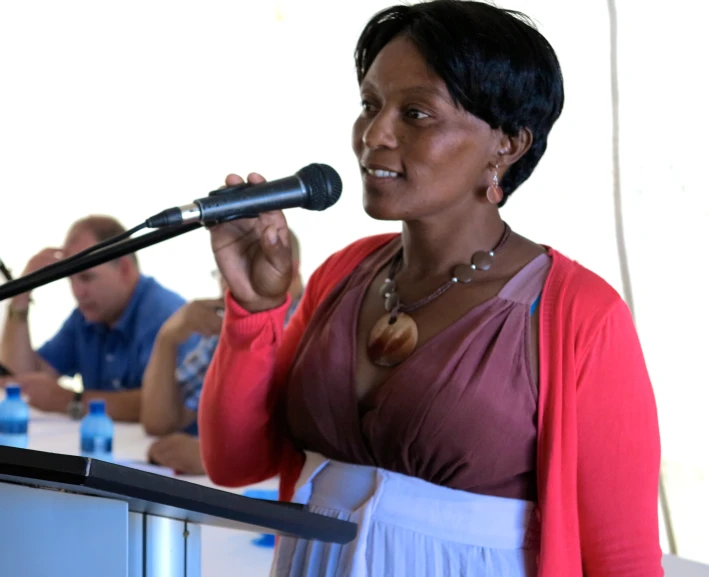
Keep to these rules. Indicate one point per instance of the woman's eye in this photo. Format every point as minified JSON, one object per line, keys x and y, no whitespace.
{"x":416,"y":114}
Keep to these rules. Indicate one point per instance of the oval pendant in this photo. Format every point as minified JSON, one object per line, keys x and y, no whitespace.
{"x":390,"y":343}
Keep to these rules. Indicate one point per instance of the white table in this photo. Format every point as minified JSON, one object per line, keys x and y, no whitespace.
{"x":225,"y":552}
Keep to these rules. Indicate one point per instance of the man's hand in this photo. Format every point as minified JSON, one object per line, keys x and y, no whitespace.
{"x":42,"y":390}
{"x":179,"y":452}
{"x":201,"y":316}
{"x":43,"y":258}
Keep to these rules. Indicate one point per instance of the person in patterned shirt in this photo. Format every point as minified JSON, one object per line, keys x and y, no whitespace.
{"x":171,"y":390}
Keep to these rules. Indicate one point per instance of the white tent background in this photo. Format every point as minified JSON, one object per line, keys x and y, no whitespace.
{"x":128,"y":108}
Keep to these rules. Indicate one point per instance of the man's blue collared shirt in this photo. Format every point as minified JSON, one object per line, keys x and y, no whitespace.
{"x":114,"y":359}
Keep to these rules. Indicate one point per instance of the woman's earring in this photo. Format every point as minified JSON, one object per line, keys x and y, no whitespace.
{"x":494,"y":191}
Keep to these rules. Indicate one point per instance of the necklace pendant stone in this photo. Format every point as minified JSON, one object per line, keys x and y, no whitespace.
{"x":464,"y":273}
{"x":391,"y":302}
{"x":391,"y":343}
{"x":482,"y":260}
{"x":388,"y":287}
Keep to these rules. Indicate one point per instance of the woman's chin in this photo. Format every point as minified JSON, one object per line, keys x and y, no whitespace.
{"x":380,"y":209}
{"x":377,"y":214}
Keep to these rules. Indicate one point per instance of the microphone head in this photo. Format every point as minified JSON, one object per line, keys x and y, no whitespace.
{"x":323,"y":185}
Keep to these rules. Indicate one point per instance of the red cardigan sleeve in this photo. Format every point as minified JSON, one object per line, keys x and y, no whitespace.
{"x":618,"y":454}
{"x":242,"y":433}
{"x":242,"y":443}
{"x":239,"y":443}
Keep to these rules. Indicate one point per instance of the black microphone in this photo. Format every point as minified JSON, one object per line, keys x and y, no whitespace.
{"x":315,"y":187}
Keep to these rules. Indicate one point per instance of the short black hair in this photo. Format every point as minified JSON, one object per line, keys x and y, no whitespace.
{"x":495,"y":63}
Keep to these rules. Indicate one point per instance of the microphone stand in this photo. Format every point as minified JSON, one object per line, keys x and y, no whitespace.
{"x":5,"y":271}
{"x":61,"y":270}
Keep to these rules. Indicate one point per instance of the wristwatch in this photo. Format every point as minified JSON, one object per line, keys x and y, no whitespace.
{"x":17,"y":314}
{"x":75,"y":408}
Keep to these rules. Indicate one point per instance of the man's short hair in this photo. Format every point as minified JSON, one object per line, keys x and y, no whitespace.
{"x":101,"y":227}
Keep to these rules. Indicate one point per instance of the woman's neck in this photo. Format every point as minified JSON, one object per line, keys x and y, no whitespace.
{"x":432,"y":247}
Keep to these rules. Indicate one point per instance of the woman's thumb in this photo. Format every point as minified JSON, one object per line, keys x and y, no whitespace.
{"x":276,"y":252}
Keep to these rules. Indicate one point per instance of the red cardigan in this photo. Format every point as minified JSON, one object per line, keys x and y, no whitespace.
{"x":598,"y":454}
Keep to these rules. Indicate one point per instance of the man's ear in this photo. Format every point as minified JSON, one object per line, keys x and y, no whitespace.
{"x":125,"y":266}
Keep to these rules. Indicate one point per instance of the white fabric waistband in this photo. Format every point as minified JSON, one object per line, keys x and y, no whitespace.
{"x":411,"y":503}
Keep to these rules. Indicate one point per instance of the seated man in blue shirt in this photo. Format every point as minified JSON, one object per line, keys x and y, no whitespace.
{"x":107,"y":339}
{"x":171,"y":389}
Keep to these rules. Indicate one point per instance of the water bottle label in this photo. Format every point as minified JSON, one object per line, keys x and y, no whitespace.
{"x":13,"y":427}
{"x":96,"y":444}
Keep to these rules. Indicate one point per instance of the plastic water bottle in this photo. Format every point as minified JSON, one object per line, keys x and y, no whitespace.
{"x":266,"y":540}
{"x":14,"y":416}
{"x":97,"y":432}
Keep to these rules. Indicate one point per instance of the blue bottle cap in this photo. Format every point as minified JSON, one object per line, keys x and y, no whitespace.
{"x":12,"y":391}
{"x":266,"y":540}
{"x":97,"y":407}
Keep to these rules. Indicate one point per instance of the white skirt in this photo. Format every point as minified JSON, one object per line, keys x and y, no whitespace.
{"x":408,"y":528}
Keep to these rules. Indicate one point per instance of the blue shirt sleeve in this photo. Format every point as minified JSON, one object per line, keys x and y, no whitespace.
{"x":191,"y":371}
{"x":60,"y":350}
{"x":187,"y":347}
{"x":147,"y":349}
{"x":155,"y":304}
